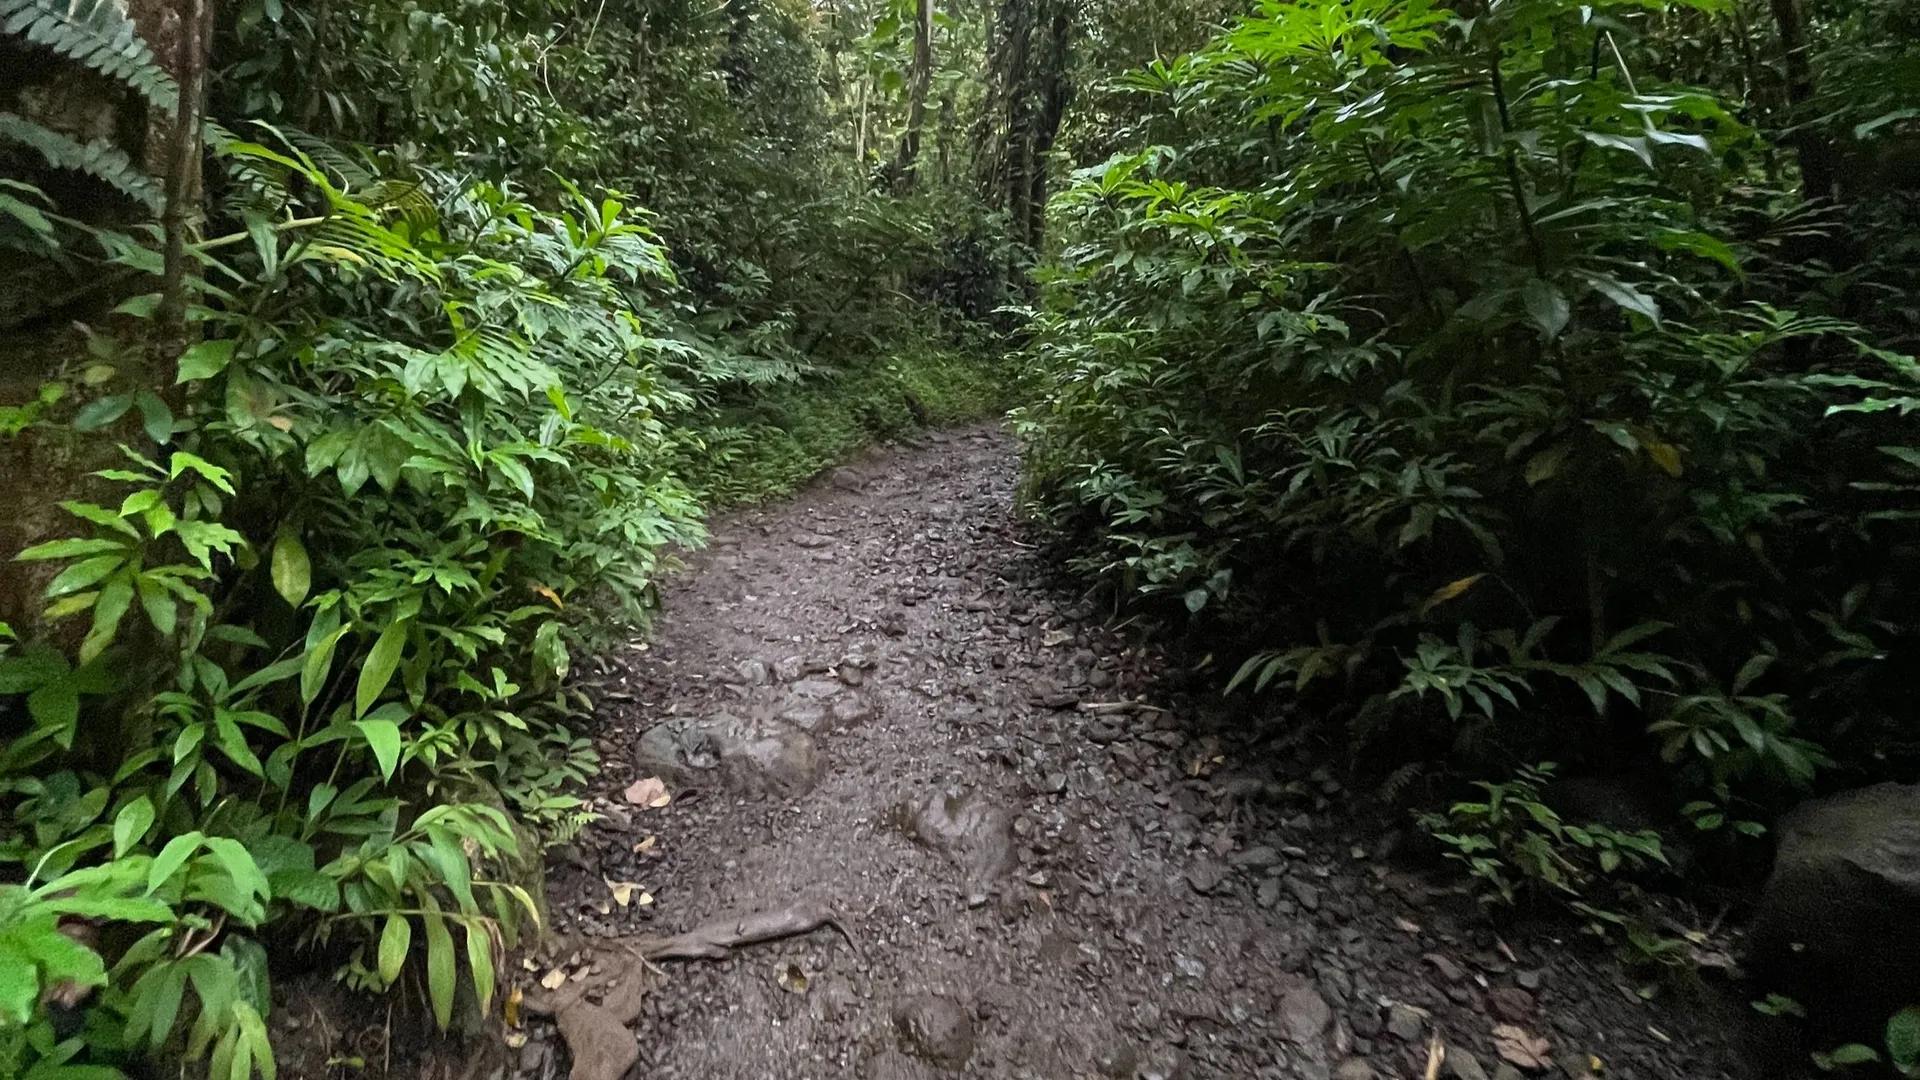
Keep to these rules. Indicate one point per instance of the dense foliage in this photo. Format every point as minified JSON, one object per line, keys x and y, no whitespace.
{"x":386,"y":400}
{"x":1518,"y":391}
{"x":1507,"y":376}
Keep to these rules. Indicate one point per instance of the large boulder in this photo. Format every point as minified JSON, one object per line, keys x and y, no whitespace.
{"x":757,"y":757}
{"x":1836,"y":924}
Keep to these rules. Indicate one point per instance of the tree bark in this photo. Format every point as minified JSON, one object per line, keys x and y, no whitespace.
{"x":1815,"y":154}
{"x":919,"y":77}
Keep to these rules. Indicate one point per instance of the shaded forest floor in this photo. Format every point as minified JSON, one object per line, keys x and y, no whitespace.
{"x":1049,"y":858}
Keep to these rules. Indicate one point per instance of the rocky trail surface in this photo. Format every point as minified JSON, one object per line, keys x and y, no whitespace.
{"x":882,"y":801}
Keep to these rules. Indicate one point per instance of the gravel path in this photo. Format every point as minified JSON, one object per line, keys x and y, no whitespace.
{"x":873,"y":700}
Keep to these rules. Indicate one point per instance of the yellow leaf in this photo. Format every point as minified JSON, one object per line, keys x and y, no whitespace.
{"x":1665,"y":455}
{"x":1450,"y":590}
{"x":512,"y":1007}
{"x":552,"y":597}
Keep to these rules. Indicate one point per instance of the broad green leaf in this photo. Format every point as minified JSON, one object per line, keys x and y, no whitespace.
{"x":131,"y":824}
{"x":172,"y":858}
{"x":205,"y":360}
{"x":100,"y":412}
{"x":1547,"y":306}
{"x":319,"y":661}
{"x":383,"y":737}
{"x":480,"y":962}
{"x":440,"y":965}
{"x":292,"y":573}
{"x":83,"y":574}
{"x":395,"y":939}
{"x":155,"y":416}
{"x":378,"y":669}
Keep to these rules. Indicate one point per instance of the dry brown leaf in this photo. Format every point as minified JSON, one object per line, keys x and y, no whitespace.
{"x":1436,"y":1054}
{"x":1522,"y":1048}
{"x":650,"y":792}
{"x":792,"y":979}
{"x":555,"y":979}
{"x":627,"y":893}
{"x":646,"y":845}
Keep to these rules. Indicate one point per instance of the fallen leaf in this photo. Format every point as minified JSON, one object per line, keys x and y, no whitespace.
{"x":512,"y":1008}
{"x":516,"y":1039}
{"x":627,"y":893}
{"x":555,"y":979}
{"x":1595,"y":1065}
{"x":792,"y":979}
{"x":1522,"y":1048}
{"x":650,"y":792}
{"x":646,"y":845}
{"x":1436,"y":1054}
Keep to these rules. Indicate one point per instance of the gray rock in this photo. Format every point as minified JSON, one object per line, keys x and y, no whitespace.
{"x":1206,"y":875}
{"x":1305,"y":893}
{"x":1834,"y":927}
{"x":936,"y":1028}
{"x":815,"y":689}
{"x":967,"y":829}
{"x":752,"y":672}
{"x":1304,"y":1015}
{"x":852,"y":710}
{"x":1256,"y":858}
{"x":1462,"y":1065}
{"x":1405,"y":1023}
{"x":808,"y":717}
{"x":1355,"y":1069}
{"x":754,"y":757}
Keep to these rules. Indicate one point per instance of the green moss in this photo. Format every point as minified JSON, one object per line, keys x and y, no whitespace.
{"x":791,"y":433}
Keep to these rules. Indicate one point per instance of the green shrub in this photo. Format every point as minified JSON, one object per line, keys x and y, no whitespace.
{"x":1453,"y":368}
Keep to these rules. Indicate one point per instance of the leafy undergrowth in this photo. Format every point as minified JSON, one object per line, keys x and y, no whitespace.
{"x":784,"y":437}
{"x":1480,"y":384}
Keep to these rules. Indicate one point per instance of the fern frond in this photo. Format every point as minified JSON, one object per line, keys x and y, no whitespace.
{"x":98,"y":158}
{"x":96,"y":33}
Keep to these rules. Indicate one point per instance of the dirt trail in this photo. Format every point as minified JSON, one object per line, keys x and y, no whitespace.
{"x":1049,"y":866}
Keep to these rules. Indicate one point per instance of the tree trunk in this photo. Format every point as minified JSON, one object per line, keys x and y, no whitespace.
{"x":1813,"y":150}
{"x":1055,"y":93}
{"x":919,"y":77}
